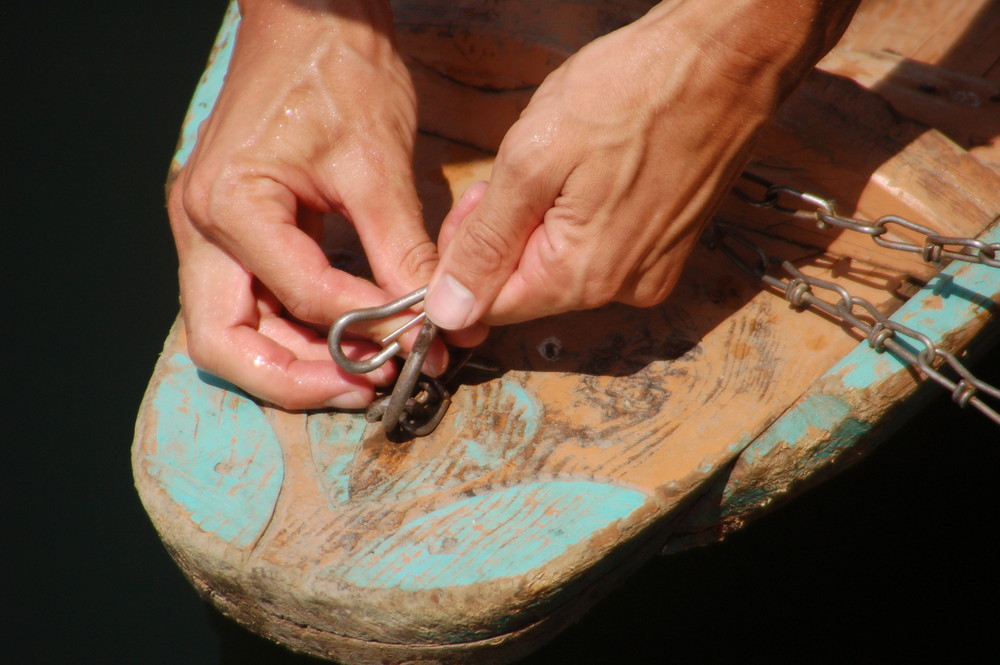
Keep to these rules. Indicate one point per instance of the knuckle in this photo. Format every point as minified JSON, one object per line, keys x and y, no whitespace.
{"x":420,"y":259}
{"x":301,"y":306}
{"x":208,"y":197}
{"x":651,"y":291}
{"x":525,"y":158}
{"x":483,"y":248}
{"x":598,"y":286}
{"x":647,"y":298}
{"x":175,"y":197}
{"x":195,"y":198}
{"x":200,"y":350}
{"x":598,"y":293}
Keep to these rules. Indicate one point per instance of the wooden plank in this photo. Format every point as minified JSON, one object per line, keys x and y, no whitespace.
{"x":846,"y":412}
{"x":963,"y":107}
{"x":609,"y":434}
{"x":934,"y":61}
{"x":923,"y":30}
{"x":845,"y":143}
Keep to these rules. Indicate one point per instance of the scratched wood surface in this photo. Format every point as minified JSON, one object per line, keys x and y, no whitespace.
{"x":609,"y":435}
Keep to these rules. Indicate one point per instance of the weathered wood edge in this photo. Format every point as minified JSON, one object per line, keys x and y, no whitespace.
{"x":737,"y":488}
{"x":207,"y":90}
{"x":501,"y":649}
{"x":228,"y":576}
{"x":806,"y":445}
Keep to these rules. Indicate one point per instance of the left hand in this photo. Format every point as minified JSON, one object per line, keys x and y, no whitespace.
{"x":317,"y":115}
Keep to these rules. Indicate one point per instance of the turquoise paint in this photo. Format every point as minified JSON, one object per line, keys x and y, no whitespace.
{"x":844,"y":436}
{"x":209,"y":85}
{"x":216,"y":454}
{"x":505,"y":533}
{"x":487,"y":446}
{"x":477,"y":453}
{"x":962,"y":290}
{"x":959,"y":293}
{"x":496,"y":446}
{"x":824,"y":412}
{"x":334,"y":441}
{"x":847,"y":432}
{"x":526,"y":407}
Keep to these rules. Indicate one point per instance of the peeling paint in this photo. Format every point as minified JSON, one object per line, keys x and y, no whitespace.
{"x":500,"y":534}
{"x":222,"y":462}
{"x":820,"y":411}
{"x":963,"y":292}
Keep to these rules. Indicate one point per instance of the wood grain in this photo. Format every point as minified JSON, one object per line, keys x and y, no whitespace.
{"x":610,"y":434}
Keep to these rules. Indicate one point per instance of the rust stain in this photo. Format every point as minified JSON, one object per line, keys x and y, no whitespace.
{"x":815,"y":343}
{"x":740,"y":350}
{"x":932,"y":302}
{"x":377,"y":461}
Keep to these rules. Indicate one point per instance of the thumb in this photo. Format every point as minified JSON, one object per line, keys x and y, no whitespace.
{"x":482,"y":253}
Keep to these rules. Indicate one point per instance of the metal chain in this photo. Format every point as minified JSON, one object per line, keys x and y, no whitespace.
{"x":417,"y":402}
{"x":933,"y":250}
{"x":881,"y":333}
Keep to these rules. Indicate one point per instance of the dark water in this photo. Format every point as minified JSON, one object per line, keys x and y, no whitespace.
{"x":887,"y":561}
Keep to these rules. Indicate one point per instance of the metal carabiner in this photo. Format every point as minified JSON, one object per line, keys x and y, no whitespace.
{"x":393,"y":409}
{"x":390,"y":344}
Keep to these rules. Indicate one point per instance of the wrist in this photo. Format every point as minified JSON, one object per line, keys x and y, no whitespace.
{"x":300,"y":32}
{"x":764,"y":46}
{"x":291,"y":18}
{"x":367,"y":10}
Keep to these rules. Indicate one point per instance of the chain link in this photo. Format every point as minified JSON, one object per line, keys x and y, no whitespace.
{"x":880,"y":332}
{"x":934,"y":249}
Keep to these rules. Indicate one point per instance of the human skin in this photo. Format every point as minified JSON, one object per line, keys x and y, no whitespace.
{"x":598,"y":194}
{"x":601,"y":189}
{"x":317,"y":115}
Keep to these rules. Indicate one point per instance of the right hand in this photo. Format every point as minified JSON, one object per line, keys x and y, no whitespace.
{"x":317,"y":115}
{"x":601,"y":188}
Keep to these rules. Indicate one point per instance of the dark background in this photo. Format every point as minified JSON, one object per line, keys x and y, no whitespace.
{"x":889,"y":560}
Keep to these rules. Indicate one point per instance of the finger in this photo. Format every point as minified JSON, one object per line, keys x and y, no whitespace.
{"x":469,"y":337}
{"x":306,"y":344}
{"x":487,"y":246}
{"x":292,"y":266}
{"x":476,"y":334}
{"x":551,"y":277}
{"x":258,"y":226}
{"x":453,"y":220}
{"x":273,"y":373}
{"x":386,"y":212}
{"x":221,"y":317}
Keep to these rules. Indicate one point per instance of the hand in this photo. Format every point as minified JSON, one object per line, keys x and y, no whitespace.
{"x":602,"y":187}
{"x":317,"y":115}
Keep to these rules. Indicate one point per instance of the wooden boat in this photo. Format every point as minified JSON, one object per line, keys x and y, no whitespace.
{"x":612,"y":435}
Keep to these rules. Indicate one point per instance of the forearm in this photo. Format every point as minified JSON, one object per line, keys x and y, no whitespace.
{"x":284,"y":21}
{"x":766,"y":46}
{"x":302,"y":10}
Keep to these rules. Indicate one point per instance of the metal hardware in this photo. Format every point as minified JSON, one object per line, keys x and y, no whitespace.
{"x":882,"y":333}
{"x":391,"y":345}
{"x":429,"y":399}
{"x":933,"y":250}
{"x":419,"y":414}
{"x":417,"y":402}
{"x":395,"y":413}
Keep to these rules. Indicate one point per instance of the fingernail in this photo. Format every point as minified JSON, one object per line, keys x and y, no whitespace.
{"x":351,"y":400}
{"x":449,"y":304}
